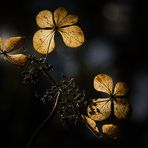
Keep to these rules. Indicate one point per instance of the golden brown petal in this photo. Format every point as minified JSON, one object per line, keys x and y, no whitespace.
{"x":110,"y":130}
{"x":99,"y":109}
{"x":13,"y":43}
{"x":43,"y":41}
{"x":91,"y":124}
{"x":18,"y":59}
{"x":121,"y":89}
{"x":72,"y":36}
{"x":68,"y":20}
{"x":121,"y":108}
{"x":59,"y":14}
{"x":103,"y":83}
{"x":44,"y":19}
{"x":1,"y":44}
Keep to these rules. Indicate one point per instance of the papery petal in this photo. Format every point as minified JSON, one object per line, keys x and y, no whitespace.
{"x":68,"y":20}
{"x":13,"y":43}
{"x":59,"y":14}
{"x":120,"y":89}
{"x":103,"y":83}
{"x":43,"y":41}
{"x":72,"y":36}
{"x":99,"y":109}
{"x":121,"y":108}
{"x":44,"y":19}
{"x":18,"y":59}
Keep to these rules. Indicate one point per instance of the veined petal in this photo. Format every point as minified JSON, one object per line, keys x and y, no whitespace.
{"x":18,"y":59}
{"x":59,"y":14}
{"x":1,"y":44}
{"x":110,"y":130}
{"x":121,"y":89}
{"x":44,"y":19}
{"x":103,"y":83}
{"x":72,"y":36}
{"x":121,"y":108}
{"x":13,"y":43}
{"x":91,"y":124}
{"x":99,"y":109}
{"x":68,"y":20}
{"x":43,"y":41}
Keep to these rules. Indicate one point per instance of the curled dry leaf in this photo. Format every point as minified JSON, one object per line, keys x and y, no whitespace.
{"x":72,"y":35}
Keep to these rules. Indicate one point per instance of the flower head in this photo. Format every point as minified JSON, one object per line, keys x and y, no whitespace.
{"x":101,"y":108}
{"x":49,"y":23}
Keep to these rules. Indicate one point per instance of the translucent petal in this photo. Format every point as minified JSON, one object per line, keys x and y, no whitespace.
{"x":121,"y":108}
{"x":19,"y":59}
{"x":68,"y":20}
{"x":91,"y":124}
{"x":1,"y":44}
{"x":43,"y":41}
{"x":59,"y":14}
{"x":121,"y":89}
{"x":13,"y":43}
{"x":99,"y":109}
{"x":103,"y":83}
{"x":72,"y":36}
{"x":44,"y":19}
{"x":110,"y":130}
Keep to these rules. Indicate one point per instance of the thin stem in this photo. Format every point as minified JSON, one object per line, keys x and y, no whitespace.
{"x":43,"y":123}
{"x":54,"y":107}
{"x":47,"y":74}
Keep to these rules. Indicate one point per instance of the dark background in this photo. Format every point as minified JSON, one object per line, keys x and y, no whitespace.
{"x":116,"y":44}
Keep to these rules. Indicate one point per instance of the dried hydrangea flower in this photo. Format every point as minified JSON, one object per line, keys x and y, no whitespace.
{"x":50,"y":23}
{"x":101,"y":108}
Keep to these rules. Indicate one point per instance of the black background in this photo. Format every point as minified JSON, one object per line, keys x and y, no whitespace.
{"x":116,"y":44}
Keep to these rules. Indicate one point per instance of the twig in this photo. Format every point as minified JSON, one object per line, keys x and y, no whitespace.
{"x":43,"y":123}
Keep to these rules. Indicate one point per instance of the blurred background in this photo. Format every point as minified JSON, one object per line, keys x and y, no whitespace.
{"x":116,"y":44}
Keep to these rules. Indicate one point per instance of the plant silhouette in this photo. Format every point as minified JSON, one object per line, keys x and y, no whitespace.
{"x":64,"y":95}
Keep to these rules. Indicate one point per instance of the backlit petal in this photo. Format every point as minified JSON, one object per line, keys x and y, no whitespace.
{"x":44,"y":19}
{"x":103,"y":83}
{"x":43,"y":41}
{"x":99,"y":109}
{"x":72,"y":36}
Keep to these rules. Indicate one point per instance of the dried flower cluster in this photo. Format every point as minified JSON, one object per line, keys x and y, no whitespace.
{"x":114,"y":106}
